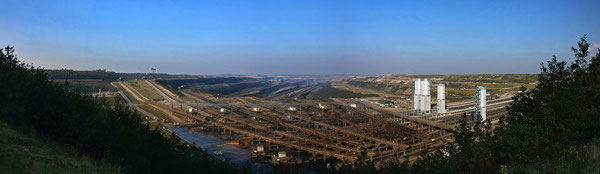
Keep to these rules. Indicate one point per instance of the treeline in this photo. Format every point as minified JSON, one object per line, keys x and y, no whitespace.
{"x":72,"y":74}
{"x":101,"y":130}
{"x":204,"y":81}
{"x":109,"y":76}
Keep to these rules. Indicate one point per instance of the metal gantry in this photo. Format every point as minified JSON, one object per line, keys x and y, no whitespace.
{"x":348,"y":131}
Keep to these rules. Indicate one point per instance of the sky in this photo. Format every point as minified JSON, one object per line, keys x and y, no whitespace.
{"x":297,"y":37}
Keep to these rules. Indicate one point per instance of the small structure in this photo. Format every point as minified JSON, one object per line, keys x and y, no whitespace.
{"x":353,"y":105}
{"x":222,"y":110}
{"x":281,"y":154}
{"x":322,"y":106}
{"x":255,"y":109}
{"x":291,"y":109}
{"x":192,"y":111}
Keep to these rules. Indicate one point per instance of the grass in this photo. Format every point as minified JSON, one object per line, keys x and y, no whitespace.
{"x":466,"y":92}
{"x":530,"y":86}
{"x":385,"y":87}
{"x":198,"y":91}
{"x":155,"y":112}
{"x":328,"y":91}
{"x":20,"y":153}
{"x":145,"y":89}
{"x":171,"y":89}
{"x":133,"y":100}
{"x":457,"y":99}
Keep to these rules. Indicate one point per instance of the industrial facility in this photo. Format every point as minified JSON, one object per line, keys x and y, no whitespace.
{"x":332,"y":131}
{"x":422,"y":97}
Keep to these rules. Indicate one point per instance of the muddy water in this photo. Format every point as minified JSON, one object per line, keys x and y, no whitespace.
{"x":210,"y":143}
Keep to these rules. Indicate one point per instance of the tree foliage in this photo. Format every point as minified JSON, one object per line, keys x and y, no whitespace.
{"x":96,"y":128}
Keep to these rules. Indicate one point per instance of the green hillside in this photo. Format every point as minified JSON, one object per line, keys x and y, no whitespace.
{"x":20,"y":153}
{"x":103,"y":131}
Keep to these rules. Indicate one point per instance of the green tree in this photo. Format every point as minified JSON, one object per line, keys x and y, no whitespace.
{"x":94,"y":127}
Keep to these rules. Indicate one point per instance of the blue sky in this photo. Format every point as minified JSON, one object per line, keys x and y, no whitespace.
{"x":298,"y":37}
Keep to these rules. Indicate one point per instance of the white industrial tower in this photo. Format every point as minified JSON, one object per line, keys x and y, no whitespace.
{"x":441,"y":98}
{"x":425,"y":96}
{"x":417,"y":97}
{"x":422,"y":97}
{"x":480,"y":103}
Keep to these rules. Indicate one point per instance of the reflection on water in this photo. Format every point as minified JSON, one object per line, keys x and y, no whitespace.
{"x":209,"y":143}
{"x":236,"y":155}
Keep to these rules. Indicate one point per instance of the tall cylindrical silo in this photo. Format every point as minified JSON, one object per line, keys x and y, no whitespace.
{"x":480,"y":102}
{"x":441,"y":98}
{"x":417,"y":95}
{"x":425,"y":96}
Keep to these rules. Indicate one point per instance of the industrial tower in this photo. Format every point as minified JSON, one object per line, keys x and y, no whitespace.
{"x":422,"y":97}
{"x":441,"y":98}
{"x":426,"y":97}
{"x":417,"y":97}
{"x":480,"y":102}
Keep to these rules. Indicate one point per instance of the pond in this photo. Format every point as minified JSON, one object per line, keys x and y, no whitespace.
{"x":210,"y":143}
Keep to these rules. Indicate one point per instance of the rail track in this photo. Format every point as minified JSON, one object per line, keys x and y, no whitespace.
{"x":348,"y":132}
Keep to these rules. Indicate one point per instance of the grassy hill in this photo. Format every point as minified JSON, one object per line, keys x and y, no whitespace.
{"x":20,"y":153}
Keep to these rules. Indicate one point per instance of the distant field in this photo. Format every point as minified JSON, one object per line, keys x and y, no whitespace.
{"x":511,"y":86}
{"x":478,"y":78}
{"x":466,"y":92}
{"x":154,"y":111}
{"x":393,"y":88}
{"x":88,"y":85}
{"x":328,"y":91}
{"x":145,"y":89}
{"x":456,"y":85}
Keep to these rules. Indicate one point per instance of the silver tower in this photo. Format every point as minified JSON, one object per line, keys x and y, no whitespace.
{"x":480,"y":103}
{"x":425,"y":96}
{"x":441,"y":98}
{"x":417,"y":97}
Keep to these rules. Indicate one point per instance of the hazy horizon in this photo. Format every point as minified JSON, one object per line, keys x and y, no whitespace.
{"x":298,"y":38}
{"x":232,"y":74}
